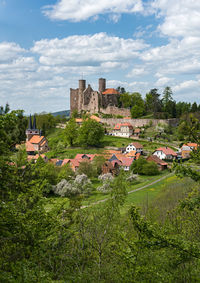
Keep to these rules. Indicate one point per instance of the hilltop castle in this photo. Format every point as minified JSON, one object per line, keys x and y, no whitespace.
{"x":104,"y":100}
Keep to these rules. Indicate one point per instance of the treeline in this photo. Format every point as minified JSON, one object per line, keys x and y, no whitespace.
{"x":162,"y":107}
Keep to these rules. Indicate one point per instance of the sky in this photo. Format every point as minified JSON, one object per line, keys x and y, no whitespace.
{"x":46,"y":46}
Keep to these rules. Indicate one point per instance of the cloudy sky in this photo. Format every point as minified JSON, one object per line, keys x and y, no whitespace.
{"x":47,"y":46}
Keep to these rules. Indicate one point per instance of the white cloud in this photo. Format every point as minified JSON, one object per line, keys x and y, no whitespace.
{"x":9,"y":50}
{"x":140,"y":71}
{"x":163,"y":81}
{"x":78,"y":10}
{"x":181,"y":18}
{"x":87,"y":50}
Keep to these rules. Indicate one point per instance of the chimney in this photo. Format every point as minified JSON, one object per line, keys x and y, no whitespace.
{"x":102,"y":85}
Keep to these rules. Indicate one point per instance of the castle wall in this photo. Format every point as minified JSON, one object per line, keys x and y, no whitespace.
{"x":139,"y":122}
{"x":91,"y":102}
{"x":115,"y":111}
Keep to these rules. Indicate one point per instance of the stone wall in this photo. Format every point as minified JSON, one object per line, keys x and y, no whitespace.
{"x":116,"y":111}
{"x":73,"y":99}
{"x":139,"y":122}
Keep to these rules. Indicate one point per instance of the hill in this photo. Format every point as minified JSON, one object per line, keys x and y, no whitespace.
{"x":61,"y":113}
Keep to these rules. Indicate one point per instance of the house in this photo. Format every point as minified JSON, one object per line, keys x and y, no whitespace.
{"x":108,"y":167}
{"x":123,"y":161}
{"x":131,"y":154}
{"x":165,"y":153}
{"x":73,"y":163}
{"x":192,"y":146}
{"x":135,"y":146}
{"x":123,"y":130}
{"x":39,"y":143}
{"x":185,"y":151}
{"x":162,"y":165}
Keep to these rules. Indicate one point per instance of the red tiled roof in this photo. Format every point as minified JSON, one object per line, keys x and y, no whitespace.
{"x":29,"y":146}
{"x":36,"y":139}
{"x":166,"y":151}
{"x":118,"y":126}
{"x":156,"y":159}
{"x":137,"y":145}
{"x":110,"y":91}
{"x":126,"y":161}
{"x":79,"y":156}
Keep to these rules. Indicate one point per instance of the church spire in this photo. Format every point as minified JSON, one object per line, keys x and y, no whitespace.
{"x":30,"y":123}
{"x":34,"y":123}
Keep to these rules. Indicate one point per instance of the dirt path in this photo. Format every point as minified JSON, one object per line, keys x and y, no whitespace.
{"x":130,"y":192}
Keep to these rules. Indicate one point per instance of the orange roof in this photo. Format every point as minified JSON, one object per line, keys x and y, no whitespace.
{"x":110,"y":91}
{"x":29,"y":146}
{"x":79,"y":120}
{"x":118,"y":126}
{"x":138,"y":155}
{"x":35,"y":157}
{"x":127,"y":117}
{"x":194,"y":145}
{"x":95,"y":118}
{"x":131,"y":153}
{"x":36,"y":139}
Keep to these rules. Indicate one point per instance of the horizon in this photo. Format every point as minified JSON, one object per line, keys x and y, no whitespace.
{"x":135,"y":44}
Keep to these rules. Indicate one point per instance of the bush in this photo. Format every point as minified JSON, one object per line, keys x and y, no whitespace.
{"x":143,"y":167}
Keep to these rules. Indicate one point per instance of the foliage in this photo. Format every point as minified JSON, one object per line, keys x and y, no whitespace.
{"x":144,"y":167}
{"x":90,"y":133}
{"x":86,"y":168}
{"x":71,"y":132}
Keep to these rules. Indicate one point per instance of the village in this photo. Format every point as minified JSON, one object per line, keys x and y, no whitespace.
{"x":134,"y":135}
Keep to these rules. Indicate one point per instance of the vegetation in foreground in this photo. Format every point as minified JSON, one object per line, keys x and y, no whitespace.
{"x":159,"y":243}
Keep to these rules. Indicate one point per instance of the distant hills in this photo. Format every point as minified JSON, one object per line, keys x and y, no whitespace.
{"x":65,"y":113}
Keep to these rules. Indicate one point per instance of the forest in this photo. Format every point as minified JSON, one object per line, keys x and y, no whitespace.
{"x":158,"y":242}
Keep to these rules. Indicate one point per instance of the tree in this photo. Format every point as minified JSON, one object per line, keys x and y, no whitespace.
{"x":90,"y":133}
{"x":71,"y":132}
{"x":152,"y":101}
{"x":169,"y":105}
{"x":86,"y":167}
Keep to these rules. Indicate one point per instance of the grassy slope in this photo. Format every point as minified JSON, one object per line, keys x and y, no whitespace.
{"x":56,"y":136}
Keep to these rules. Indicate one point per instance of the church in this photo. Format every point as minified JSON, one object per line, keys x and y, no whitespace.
{"x":35,"y":142}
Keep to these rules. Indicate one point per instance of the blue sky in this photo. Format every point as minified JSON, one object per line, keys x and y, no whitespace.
{"x":47,"y":46}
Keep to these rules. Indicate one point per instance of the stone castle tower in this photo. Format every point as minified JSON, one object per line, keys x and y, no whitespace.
{"x":104,"y":100}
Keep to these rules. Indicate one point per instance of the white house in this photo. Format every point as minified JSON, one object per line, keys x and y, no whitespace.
{"x":136,"y":146}
{"x":123,"y":130}
{"x":165,"y":153}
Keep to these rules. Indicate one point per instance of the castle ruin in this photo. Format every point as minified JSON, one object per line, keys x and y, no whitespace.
{"x":104,"y":100}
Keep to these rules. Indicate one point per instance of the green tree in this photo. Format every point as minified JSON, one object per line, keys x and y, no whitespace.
{"x":71,"y":132}
{"x":90,"y":133}
{"x":153,"y":102}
